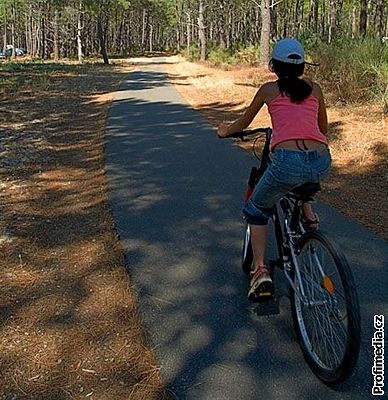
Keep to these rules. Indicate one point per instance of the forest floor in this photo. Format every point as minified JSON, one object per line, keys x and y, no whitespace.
{"x":69,"y":327}
{"x":358,"y":184}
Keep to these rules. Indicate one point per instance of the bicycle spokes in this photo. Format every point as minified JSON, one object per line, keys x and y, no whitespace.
{"x":325,"y":314}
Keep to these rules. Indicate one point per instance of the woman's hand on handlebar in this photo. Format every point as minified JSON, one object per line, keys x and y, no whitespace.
{"x":222,"y":131}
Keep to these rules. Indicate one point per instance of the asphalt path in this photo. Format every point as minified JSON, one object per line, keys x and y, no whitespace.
{"x":176,"y":194}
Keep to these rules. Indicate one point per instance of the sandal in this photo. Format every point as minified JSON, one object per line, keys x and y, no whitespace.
{"x":310,"y":224}
{"x":261,"y":285}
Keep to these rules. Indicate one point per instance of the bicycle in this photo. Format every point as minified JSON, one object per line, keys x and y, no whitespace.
{"x":323,"y":297}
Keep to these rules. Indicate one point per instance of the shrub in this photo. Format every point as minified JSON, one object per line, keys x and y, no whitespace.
{"x":356,"y":70}
{"x":248,"y":55}
{"x":220,"y":56}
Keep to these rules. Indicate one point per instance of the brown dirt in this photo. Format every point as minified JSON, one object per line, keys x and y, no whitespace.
{"x":70,"y":328}
{"x":358,"y":185}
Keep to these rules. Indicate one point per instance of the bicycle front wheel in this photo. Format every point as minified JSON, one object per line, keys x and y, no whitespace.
{"x":325,"y":309}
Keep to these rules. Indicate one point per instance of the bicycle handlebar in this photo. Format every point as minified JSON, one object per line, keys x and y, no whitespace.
{"x":250,"y":132}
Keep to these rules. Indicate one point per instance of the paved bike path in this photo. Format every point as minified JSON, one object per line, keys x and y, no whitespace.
{"x":176,"y":193}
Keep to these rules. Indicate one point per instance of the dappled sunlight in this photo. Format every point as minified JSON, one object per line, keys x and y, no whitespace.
{"x":69,"y":323}
{"x":357,"y":135}
{"x":183,"y":251}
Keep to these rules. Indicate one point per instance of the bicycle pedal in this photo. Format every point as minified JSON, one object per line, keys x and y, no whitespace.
{"x":264,"y":297}
{"x":265,"y":294}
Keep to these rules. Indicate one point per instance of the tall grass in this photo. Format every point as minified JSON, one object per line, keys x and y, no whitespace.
{"x":355,"y":70}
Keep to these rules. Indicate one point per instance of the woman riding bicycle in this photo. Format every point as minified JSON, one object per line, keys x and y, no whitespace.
{"x":299,"y":146}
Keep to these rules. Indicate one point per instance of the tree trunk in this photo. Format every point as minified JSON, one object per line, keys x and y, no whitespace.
{"x":379,"y":24}
{"x":13,"y":42}
{"x":332,"y":20}
{"x":79,"y":33}
{"x":314,"y":16}
{"x":101,"y":35}
{"x":201,"y":32}
{"x":151,"y":37}
{"x":188,"y":35}
{"x":363,"y":16}
{"x":56,"y":35}
{"x":354,"y":21}
{"x":265,"y":33}
{"x":5,"y":40}
{"x":143,"y":29}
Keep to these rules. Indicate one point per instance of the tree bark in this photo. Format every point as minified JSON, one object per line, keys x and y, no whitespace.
{"x":151,"y":37}
{"x":188,"y":35}
{"x":56,"y":35}
{"x":79,"y":33}
{"x":354,"y":21}
{"x":101,"y":35}
{"x":13,"y":20}
{"x":201,"y":32}
{"x":265,"y":33}
{"x":379,"y":24}
{"x":143,"y":29}
{"x":332,"y":20}
{"x":363,"y":16}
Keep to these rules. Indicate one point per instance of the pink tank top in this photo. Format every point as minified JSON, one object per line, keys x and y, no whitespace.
{"x":294,"y":120}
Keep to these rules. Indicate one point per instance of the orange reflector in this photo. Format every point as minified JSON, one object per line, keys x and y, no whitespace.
{"x":328,"y":284}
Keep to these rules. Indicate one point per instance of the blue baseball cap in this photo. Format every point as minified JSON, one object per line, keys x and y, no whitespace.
{"x":288,"y":51}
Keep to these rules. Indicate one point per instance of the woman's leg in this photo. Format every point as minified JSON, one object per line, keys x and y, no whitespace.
{"x":308,"y":212}
{"x":259,"y":244}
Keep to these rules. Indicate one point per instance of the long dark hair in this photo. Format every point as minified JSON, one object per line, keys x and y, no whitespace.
{"x":289,"y":82}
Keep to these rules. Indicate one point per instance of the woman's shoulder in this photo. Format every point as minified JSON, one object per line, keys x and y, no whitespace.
{"x":269,"y":90}
{"x":316,"y":89}
{"x":270,"y":86}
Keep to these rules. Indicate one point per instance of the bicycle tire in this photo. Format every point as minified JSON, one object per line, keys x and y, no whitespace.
{"x":247,"y":252}
{"x":328,"y":316}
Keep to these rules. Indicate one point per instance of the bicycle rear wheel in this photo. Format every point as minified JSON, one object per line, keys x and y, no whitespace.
{"x":327,"y":321}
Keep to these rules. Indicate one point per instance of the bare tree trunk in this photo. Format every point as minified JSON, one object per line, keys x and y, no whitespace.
{"x":56,"y":35}
{"x":201,"y":32}
{"x":332,"y":19}
{"x":143,"y":29}
{"x":13,"y":30}
{"x":151,"y":36}
{"x":323,"y":18}
{"x":354,"y":20}
{"x":101,"y":35}
{"x":379,"y":25}
{"x":5,"y":40}
{"x":265,"y":32}
{"x":188,"y":35}
{"x":363,"y":16}
{"x":79,"y":33}
{"x":314,"y":15}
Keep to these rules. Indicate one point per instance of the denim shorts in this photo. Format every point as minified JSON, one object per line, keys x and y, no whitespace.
{"x":288,"y":170}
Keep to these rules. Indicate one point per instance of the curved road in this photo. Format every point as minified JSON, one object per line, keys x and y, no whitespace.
{"x":176,"y":193}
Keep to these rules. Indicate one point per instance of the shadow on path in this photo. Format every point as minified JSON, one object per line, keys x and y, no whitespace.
{"x":176,"y":194}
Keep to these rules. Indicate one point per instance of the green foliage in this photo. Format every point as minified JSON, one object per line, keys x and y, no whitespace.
{"x":248,"y":55}
{"x":194,"y":54}
{"x":357,"y":70}
{"x":220,"y":56}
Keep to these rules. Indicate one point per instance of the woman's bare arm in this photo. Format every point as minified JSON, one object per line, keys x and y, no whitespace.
{"x":244,"y":121}
{"x":322,"y":114}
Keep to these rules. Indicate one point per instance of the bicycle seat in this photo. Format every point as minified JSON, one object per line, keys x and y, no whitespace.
{"x":307,"y":189}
